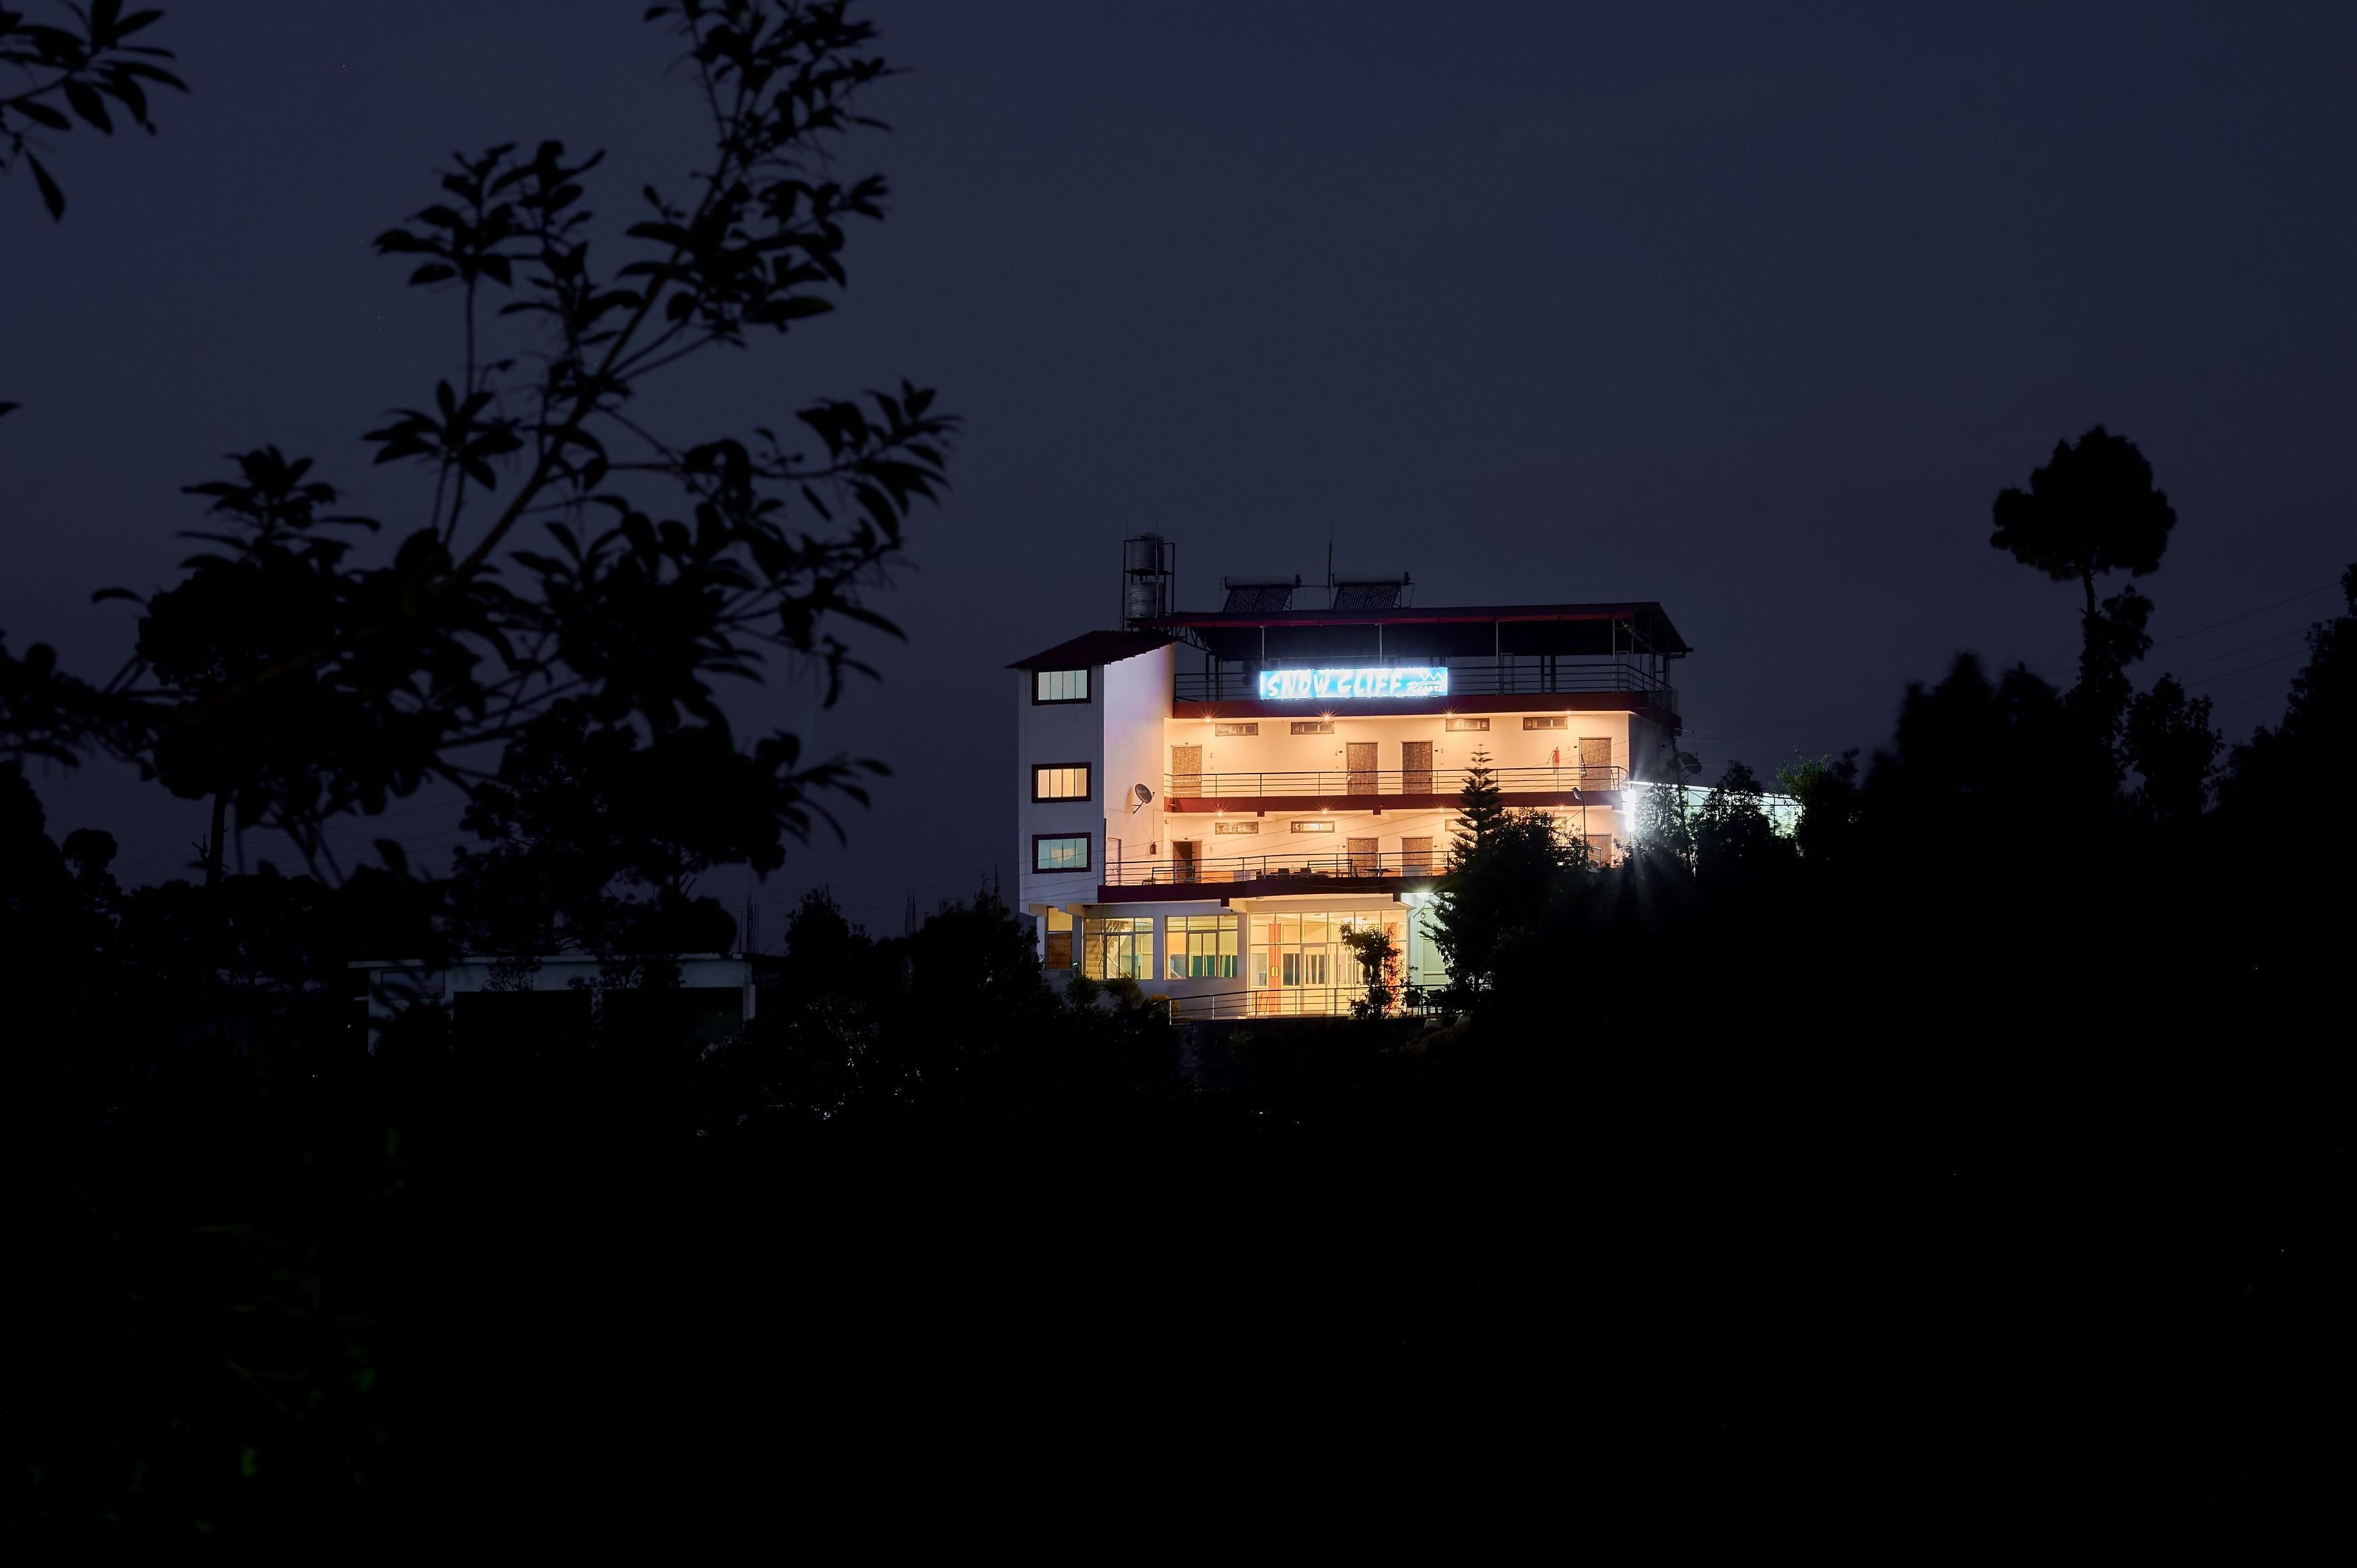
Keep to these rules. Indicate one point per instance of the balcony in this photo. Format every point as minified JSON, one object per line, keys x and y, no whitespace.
{"x":1513,"y":675}
{"x":1374,"y":788}
{"x":1287,"y":1001}
{"x":1250,"y":874}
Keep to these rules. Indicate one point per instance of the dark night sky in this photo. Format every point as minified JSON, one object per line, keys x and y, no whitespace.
{"x":1749,"y":314}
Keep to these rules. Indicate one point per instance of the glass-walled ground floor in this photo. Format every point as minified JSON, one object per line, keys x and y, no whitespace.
{"x":1262,"y":956}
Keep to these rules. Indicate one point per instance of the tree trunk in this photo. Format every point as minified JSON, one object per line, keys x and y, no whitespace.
{"x":213,"y":843}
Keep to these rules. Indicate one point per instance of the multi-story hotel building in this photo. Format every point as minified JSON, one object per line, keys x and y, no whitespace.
{"x":1209,"y":800}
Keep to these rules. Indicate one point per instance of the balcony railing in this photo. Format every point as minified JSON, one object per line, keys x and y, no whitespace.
{"x":1586,"y":776}
{"x":1513,"y":676}
{"x":1287,"y":1002}
{"x":1350,"y":865}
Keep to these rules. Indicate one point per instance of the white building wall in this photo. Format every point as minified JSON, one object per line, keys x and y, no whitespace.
{"x":1057,"y":732}
{"x":1136,"y":710}
{"x":1276,"y":749}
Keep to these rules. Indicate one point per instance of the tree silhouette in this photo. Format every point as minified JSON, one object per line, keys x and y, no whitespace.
{"x":1480,"y":805}
{"x":2091,"y":509}
{"x":1825,"y":789}
{"x":72,"y":72}
{"x":44,"y":713}
{"x":1378,"y":959}
{"x":275,"y":587}
{"x":2274,"y":774}
{"x":571,"y":551}
{"x":1733,"y":837}
{"x":1497,"y":886}
{"x":2168,"y":741}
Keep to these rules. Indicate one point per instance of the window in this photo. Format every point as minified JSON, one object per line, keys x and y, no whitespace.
{"x":1116,"y":948}
{"x":1059,"y":851}
{"x":1202,"y":947}
{"x":1310,"y":953}
{"x":1059,"y":941}
{"x":1236,"y":729}
{"x":1477,"y":726}
{"x":1060,"y":781}
{"x":1060,"y":685}
{"x":1313,"y":827}
{"x":1235,"y":827}
{"x":1546,"y":721}
{"x":1313,"y":726}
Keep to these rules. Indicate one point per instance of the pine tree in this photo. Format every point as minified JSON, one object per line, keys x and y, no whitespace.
{"x":1481,"y":809}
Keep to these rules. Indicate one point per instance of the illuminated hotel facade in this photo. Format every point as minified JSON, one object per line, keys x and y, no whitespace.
{"x":1207,"y":801}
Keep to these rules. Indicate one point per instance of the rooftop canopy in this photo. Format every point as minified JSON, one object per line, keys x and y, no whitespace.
{"x":1463,"y":631}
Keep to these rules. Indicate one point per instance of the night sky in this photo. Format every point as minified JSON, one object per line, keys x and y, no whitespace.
{"x":1750,"y":315}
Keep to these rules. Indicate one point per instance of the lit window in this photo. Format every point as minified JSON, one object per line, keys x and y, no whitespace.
{"x":1313,"y":827}
{"x":1118,"y":949}
{"x":1202,"y":947}
{"x":1546,"y":721}
{"x":1313,"y":726}
{"x":1311,"y":951}
{"x":1236,"y":729}
{"x":1061,"y":781}
{"x":1067,"y":852}
{"x":1060,"y":685}
{"x":1475,"y":724}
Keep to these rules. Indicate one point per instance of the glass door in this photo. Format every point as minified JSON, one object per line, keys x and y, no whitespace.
{"x":1300,"y":962}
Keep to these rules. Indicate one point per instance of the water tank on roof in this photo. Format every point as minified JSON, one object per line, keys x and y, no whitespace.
{"x":1149,"y":578}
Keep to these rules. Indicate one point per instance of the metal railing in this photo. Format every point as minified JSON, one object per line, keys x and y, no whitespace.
{"x":1334,"y":781}
{"x":1360,"y":865}
{"x":1514,"y":675}
{"x":1276,"y":1001}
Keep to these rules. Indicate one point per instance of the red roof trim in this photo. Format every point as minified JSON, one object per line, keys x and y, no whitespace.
{"x":1092,"y":648}
{"x":1410,"y":616}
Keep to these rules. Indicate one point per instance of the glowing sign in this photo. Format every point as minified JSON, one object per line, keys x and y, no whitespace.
{"x":1406,"y":680}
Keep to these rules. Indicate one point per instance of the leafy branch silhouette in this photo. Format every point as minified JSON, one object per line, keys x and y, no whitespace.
{"x":72,"y":74}
{"x":571,"y":552}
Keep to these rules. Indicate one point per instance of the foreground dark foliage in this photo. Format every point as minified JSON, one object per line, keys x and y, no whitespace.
{"x":1976,"y":1144}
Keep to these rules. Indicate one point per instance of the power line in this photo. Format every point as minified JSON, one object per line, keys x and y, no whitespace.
{"x":2246,"y":702}
{"x":2261,"y":664}
{"x":2303,"y":593}
{"x":2229,"y":653}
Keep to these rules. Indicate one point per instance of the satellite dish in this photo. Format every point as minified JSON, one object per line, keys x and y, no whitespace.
{"x":1689,"y":764}
{"x":1138,"y":796}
